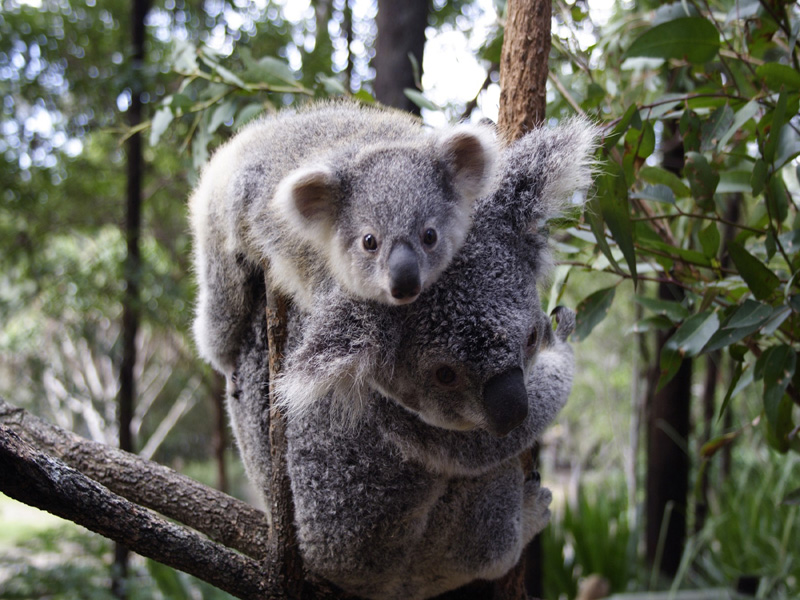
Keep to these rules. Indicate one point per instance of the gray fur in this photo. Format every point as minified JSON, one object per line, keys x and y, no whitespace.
{"x":418,"y":496}
{"x":300,"y":191}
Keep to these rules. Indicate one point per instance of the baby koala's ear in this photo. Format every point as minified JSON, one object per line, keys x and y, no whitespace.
{"x":307,"y":199}
{"x":470,"y":153}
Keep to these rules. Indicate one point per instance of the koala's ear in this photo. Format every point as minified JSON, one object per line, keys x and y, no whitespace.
{"x":470,"y":153}
{"x":307,"y":198}
{"x":542,"y":171}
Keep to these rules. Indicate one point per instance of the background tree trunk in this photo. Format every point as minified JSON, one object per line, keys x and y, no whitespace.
{"x":130,"y":308}
{"x":401,"y":32}
{"x":523,"y":67}
{"x":667,"y":481}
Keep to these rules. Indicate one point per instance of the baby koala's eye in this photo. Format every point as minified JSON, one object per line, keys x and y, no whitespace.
{"x":429,"y":237}
{"x":370,"y":242}
{"x":445,"y":376}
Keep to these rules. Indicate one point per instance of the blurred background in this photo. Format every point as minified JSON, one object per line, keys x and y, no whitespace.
{"x":674,"y":465}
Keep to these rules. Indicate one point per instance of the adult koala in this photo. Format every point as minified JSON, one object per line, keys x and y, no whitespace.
{"x":425,"y":492}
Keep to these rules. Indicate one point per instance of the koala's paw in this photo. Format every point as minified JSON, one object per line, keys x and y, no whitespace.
{"x":565,"y":322}
{"x":535,"y":511}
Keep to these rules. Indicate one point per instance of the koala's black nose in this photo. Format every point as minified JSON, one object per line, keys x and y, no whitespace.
{"x":404,"y":279}
{"x":505,"y":401}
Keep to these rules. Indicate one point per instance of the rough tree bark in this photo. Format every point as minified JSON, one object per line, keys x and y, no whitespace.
{"x":401,"y":32}
{"x":523,"y":67}
{"x":105,"y":490}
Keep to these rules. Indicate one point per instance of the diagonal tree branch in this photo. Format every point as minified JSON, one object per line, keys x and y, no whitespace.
{"x":32,"y":477}
{"x":221,"y":517}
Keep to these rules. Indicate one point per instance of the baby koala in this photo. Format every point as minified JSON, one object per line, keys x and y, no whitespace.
{"x":337,"y":194}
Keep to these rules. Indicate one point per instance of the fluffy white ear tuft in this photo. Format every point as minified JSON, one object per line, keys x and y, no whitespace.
{"x":471,"y":153}
{"x":307,"y":199}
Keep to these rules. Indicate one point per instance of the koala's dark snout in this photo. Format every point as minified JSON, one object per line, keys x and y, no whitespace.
{"x":404,"y":278}
{"x":505,"y":401}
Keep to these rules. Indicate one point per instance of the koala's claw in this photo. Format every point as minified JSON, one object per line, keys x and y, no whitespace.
{"x":565,"y":322}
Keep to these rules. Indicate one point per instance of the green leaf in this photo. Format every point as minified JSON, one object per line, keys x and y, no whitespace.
{"x":778,"y":120}
{"x":777,"y":199}
{"x":660,"y":176}
{"x":734,"y":181}
{"x":709,"y":240}
{"x":737,"y":375}
{"x":161,"y":120}
{"x":613,"y":202}
{"x":776,"y":75}
{"x":703,"y":180}
{"x":621,"y":127}
{"x":790,"y":241}
{"x":743,"y":115}
{"x":419,"y":99}
{"x":272,"y":70}
{"x":760,"y":279}
{"x":788,"y":146}
{"x":750,"y":313}
{"x":716,"y":127}
{"x":758,"y":179}
{"x":655,"y":193}
{"x":674,"y":311}
{"x":591,"y":311}
{"x":331,"y":85}
{"x":595,"y":219}
{"x":693,"y":38}
{"x":693,"y":334}
{"x":224,"y":112}
{"x":776,"y":319}
{"x":642,"y":141}
{"x":248,"y":113}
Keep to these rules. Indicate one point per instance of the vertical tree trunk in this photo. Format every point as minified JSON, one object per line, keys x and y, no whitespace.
{"x":401,"y":32}
{"x":667,"y":479}
{"x":130,"y":302}
{"x":523,"y":67}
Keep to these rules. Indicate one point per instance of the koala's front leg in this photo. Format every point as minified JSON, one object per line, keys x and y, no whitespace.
{"x":343,"y":343}
{"x":535,"y":507}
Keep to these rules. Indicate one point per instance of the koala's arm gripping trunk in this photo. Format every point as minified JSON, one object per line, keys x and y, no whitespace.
{"x":287,"y":568}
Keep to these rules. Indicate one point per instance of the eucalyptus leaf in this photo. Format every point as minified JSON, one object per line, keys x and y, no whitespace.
{"x":776,"y":76}
{"x":716,"y":127}
{"x":660,"y":176}
{"x":692,"y":38}
{"x":656,"y":193}
{"x":419,"y":99}
{"x":703,"y":180}
{"x":613,"y":201}
{"x":694,"y":333}
{"x":709,"y":239}
{"x":743,"y":115}
{"x":591,"y":311}
{"x":758,"y":277}
{"x":161,"y":120}
{"x":675,"y":311}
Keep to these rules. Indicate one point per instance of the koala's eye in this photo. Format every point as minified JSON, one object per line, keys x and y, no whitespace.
{"x":429,"y":237}
{"x":446,"y":376}
{"x":370,"y":242}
